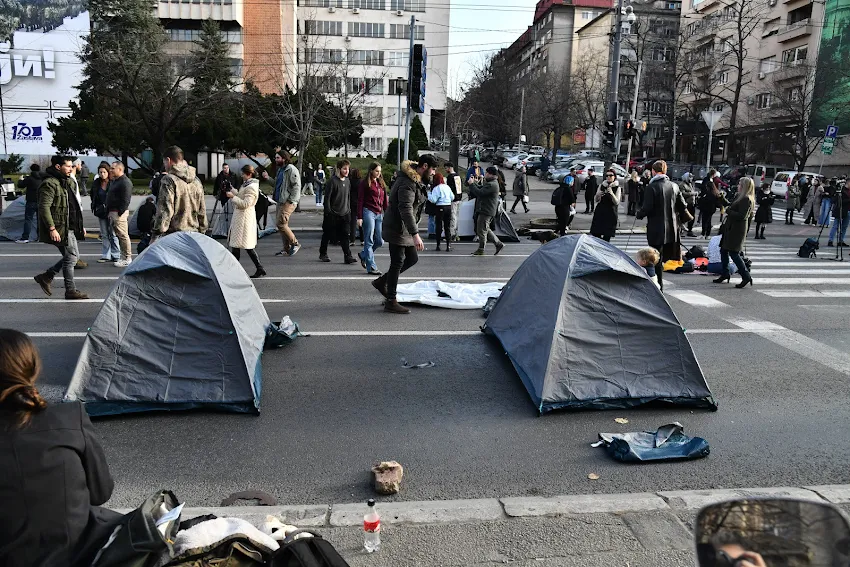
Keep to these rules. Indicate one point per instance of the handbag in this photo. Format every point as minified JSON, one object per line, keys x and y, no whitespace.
{"x":144,"y":535}
{"x":525,"y":199}
{"x":430,"y":208}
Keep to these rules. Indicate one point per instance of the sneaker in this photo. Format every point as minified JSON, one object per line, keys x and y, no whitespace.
{"x":499,"y":247}
{"x":350,"y":260}
{"x":44,"y":280}
{"x":393,"y":306}
{"x":105,"y":260}
{"x":121,"y":263}
{"x":479,"y":252}
{"x":324,"y":259}
{"x":362,"y":261}
{"x":843,"y":244}
{"x":375,"y":273}
{"x":449,"y":249}
{"x":830,"y":244}
{"x":81,"y":265}
{"x":76,"y":294}
{"x":22,"y":241}
{"x":294,"y":249}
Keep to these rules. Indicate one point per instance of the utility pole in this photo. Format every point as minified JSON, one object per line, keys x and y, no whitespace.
{"x":614,"y":93}
{"x":399,"y":89}
{"x":634,"y":112}
{"x":409,"y":89}
{"x":521,"y":108}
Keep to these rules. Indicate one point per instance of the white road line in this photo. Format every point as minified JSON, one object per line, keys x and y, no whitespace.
{"x":802,"y":293}
{"x":101,"y":300}
{"x":798,"y":281}
{"x":838,"y":271}
{"x":364,"y":278}
{"x":696,"y":298}
{"x":798,"y":262}
{"x":57,"y":335}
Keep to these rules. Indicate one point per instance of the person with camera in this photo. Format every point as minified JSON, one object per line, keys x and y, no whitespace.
{"x":607,"y":199}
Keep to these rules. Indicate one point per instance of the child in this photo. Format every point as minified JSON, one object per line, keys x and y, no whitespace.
{"x":647,"y":258}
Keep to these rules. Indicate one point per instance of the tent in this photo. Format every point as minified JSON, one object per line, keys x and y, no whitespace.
{"x":12,"y":220}
{"x":182,"y":328}
{"x":586,"y":328}
{"x":504,"y":228}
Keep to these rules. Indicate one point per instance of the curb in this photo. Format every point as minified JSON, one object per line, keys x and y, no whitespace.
{"x":434,"y":512}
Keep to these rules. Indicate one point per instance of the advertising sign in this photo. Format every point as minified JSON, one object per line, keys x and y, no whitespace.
{"x":832,"y":87}
{"x":39,"y":69}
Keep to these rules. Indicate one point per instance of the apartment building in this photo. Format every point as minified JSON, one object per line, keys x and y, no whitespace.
{"x":359,"y":49}
{"x":776,"y":68}
{"x":261,"y":35}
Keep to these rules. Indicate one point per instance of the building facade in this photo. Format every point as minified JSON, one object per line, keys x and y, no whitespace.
{"x":358,"y":50}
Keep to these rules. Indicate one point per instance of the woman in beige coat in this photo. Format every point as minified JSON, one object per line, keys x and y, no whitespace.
{"x":243,"y":227}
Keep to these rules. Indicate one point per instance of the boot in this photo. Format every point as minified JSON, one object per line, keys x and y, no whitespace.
{"x":350,"y":260}
{"x":499,"y":247}
{"x":76,"y":294}
{"x":44,"y":280}
{"x":381,"y":285}
{"x":81,"y":265}
{"x":437,"y":249}
{"x":259,"y":273}
{"x":393,"y":306}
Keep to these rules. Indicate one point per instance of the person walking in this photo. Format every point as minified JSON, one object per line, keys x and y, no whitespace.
{"x":243,"y":227}
{"x":711,"y":199}
{"x":373,"y":200}
{"x":689,"y":195}
{"x":455,"y":183}
{"x":337,"y":211}
{"x":320,"y":183}
{"x":520,"y":189}
{"x":354,"y":178}
{"x":401,"y":227}
{"x":287,"y":193}
{"x":84,"y":177}
{"x":180,"y":206}
{"x":764,"y":214}
{"x":607,"y":199}
{"x":109,"y":240}
{"x":841,"y":214}
{"x":442,"y":196}
{"x":486,"y":197}
{"x":591,"y":185}
{"x":792,"y":202}
{"x":734,"y":232}
{"x":661,"y":201}
{"x":118,"y":207}
{"x":31,"y":183}
{"x":633,"y":186}
{"x":60,"y":223}
{"x":811,"y":210}
{"x":562,"y":199}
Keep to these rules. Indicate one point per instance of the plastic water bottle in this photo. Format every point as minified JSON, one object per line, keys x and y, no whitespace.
{"x":372,"y":529}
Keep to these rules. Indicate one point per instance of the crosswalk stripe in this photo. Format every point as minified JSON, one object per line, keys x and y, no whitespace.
{"x":804,"y":293}
{"x":799,"y":281}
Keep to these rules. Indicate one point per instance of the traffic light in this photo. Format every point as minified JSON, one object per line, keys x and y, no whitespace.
{"x":721,"y":145}
{"x":418,"y":65}
{"x":628,"y":130}
{"x":610,"y":132}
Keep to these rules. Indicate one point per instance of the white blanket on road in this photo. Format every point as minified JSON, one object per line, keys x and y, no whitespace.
{"x":460,"y":295}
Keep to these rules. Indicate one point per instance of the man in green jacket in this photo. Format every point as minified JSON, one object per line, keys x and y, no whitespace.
{"x":60,"y":223}
{"x":486,"y":197}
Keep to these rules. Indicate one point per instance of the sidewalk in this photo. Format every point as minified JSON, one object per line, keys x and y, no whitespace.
{"x":606,"y":530}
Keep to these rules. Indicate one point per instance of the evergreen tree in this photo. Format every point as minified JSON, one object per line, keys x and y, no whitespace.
{"x":417,"y":134}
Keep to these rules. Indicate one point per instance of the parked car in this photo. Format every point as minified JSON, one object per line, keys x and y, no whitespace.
{"x":561,"y":168}
{"x":511,"y":162}
{"x":598,"y":171}
{"x":532,"y":166}
{"x":7,"y":190}
{"x":537,"y":149}
{"x":784,"y":179}
{"x":502,"y":155}
{"x":763,"y":174}
{"x":589,"y":154}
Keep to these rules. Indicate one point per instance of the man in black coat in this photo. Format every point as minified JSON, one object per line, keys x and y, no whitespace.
{"x":225,"y":181}
{"x":661,"y":200}
{"x":591,"y":184}
{"x":31,"y":183}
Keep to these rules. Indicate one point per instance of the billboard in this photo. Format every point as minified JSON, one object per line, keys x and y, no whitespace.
{"x":39,"y":69}
{"x":832,"y":83}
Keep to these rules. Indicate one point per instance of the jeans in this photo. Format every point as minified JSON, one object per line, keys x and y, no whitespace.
{"x":119,"y":226}
{"x":443,"y":221}
{"x":455,"y":215}
{"x":717,"y":268}
{"x":482,"y":229}
{"x":401,"y":259}
{"x":70,"y":254}
{"x":110,"y":241}
{"x":825,"y":208}
{"x":29,"y":215}
{"x":844,"y":222}
{"x":736,"y":258}
{"x":372,"y":240}
{"x":319,"y":189}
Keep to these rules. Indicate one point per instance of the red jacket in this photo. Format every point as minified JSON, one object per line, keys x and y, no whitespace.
{"x":373,"y":197}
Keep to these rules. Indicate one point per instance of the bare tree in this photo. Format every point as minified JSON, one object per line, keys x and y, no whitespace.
{"x":589,"y":88}
{"x":551,"y":109}
{"x":493,"y":94}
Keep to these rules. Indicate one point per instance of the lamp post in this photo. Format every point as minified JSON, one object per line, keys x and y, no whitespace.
{"x":400,"y":89}
{"x":613,"y":99}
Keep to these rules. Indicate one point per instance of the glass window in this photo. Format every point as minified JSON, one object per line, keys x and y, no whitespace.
{"x":763,"y":101}
{"x":321,"y":27}
{"x":398,"y":59}
{"x":372,"y":115}
{"x":768,"y":64}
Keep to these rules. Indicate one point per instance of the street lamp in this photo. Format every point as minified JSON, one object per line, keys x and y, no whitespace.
{"x":400,"y":89}
{"x":614,"y":104}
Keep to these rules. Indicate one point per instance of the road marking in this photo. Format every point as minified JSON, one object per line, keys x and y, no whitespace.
{"x":364,"y":278}
{"x":798,"y":262}
{"x":802,"y":293}
{"x":799,"y":281}
{"x":696,"y":298}
{"x":101,"y":300}
{"x":56,"y":335}
{"x":838,"y":271}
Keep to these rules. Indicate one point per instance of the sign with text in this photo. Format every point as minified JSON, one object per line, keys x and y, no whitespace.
{"x":39,"y":70}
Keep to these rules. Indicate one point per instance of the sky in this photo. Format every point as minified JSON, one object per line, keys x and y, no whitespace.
{"x":479,"y":28}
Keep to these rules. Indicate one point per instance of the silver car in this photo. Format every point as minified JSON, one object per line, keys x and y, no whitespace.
{"x":599,"y":171}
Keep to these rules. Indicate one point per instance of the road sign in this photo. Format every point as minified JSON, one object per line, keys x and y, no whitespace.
{"x":828,"y":145}
{"x":832,"y":131}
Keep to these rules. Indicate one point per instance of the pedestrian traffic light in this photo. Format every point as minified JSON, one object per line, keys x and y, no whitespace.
{"x":628,"y":130}
{"x":721,"y":145}
{"x":418,"y":65}
{"x":610,"y":132}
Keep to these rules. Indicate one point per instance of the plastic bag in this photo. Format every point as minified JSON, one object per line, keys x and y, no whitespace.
{"x":525,"y":199}
{"x":281,"y":335}
{"x":668,"y":443}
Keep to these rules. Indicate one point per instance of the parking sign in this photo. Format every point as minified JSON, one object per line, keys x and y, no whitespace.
{"x":832,"y":131}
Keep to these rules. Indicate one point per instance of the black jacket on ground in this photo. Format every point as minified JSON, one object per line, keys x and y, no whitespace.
{"x":53,"y":479}
{"x":31,"y":183}
{"x":119,"y":194}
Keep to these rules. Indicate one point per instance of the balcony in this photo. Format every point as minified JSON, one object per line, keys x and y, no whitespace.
{"x":795,"y":30}
{"x":702,"y":5}
{"x":701,"y":61}
{"x":794,"y":70}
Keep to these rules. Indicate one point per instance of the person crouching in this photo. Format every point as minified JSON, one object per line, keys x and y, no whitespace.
{"x":648,"y":258}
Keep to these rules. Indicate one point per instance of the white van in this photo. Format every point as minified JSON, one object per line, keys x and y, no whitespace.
{"x":784,"y":179}
{"x":763,"y":174}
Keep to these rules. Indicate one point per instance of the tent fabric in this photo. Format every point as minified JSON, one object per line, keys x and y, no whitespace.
{"x":448,"y":294}
{"x":182,"y":328}
{"x":220,"y":218}
{"x":504,"y":228}
{"x":12,"y":220}
{"x":598,"y":333}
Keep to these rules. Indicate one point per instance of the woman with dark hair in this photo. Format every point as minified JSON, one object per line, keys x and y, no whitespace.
{"x":243,"y":227}
{"x":55,"y":475}
{"x":372,"y":202}
{"x":99,"y":188}
{"x":355,"y":177}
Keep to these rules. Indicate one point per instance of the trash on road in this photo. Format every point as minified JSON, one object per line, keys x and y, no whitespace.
{"x":281,"y":335}
{"x":668,"y":443}
{"x":593,"y":476}
{"x":407,"y":365}
{"x":621,"y":420}
{"x":388,"y":475}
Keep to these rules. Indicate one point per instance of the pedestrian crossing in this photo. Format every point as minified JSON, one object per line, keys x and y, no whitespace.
{"x":777,"y":270}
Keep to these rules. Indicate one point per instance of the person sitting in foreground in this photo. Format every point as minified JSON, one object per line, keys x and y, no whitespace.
{"x":54,"y":475}
{"x":647,"y":258}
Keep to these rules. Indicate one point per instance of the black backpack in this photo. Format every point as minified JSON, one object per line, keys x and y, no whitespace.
{"x":307,"y":552}
{"x":809,"y":248}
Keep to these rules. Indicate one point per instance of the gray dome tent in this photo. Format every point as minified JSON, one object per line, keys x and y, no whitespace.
{"x":598,"y":334}
{"x":182,"y":328}
{"x":12,"y":220}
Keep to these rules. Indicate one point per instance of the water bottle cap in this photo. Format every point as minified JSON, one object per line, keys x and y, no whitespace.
{"x":370,"y":502}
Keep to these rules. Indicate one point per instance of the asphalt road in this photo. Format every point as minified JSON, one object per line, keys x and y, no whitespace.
{"x":334,"y":404}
